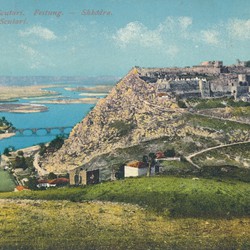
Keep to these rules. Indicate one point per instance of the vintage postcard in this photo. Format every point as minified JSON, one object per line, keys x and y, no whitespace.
{"x":124,"y":124}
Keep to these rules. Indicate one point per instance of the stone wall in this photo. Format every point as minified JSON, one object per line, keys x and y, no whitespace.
{"x":208,"y":80}
{"x":162,"y":72}
{"x":238,"y":91}
{"x":205,"y":89}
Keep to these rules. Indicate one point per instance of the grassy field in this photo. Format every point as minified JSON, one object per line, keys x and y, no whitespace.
{"x":222,"y":102}
{"x":68,"y":225}
{"x":142,"y":213}
{"x":165,"y":195}
{"x":177,"y":168}
{"x":6,"y":182}
{"x":230,"y":154}
{"x":213,"y":123}
{"x":136,"y":213}
{"x":232,"y":161}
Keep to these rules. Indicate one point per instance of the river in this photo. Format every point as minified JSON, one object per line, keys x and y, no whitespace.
{"x":58,"y":115}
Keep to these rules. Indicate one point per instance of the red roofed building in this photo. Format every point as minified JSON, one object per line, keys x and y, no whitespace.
{"x":160,"y":155}
{"x":52,"y":183}
{"x":21,"y":188}
{"x":135,"y":168}
{"x":59,"y":181}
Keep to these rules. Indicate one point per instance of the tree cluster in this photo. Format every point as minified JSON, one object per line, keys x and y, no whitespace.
{"x":53,"y":146}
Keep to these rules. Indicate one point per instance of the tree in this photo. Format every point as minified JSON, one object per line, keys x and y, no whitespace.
{"x":169,"y":153}
{"x":182,"y":104}
{"x":145,"y":159}
{"x":32,"y":183}
{"x":52,"y":176}
{"x":20,"y":162}
{"x":6,"y":152}
{"x":247,"y":63}
{"x":152,"y":157}
{"x":42,"y":150}
{"x":56,"y":143}
{"x":20,"y":153}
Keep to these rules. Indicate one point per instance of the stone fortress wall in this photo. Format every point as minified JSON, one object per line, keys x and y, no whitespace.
{"x":209,"y":79}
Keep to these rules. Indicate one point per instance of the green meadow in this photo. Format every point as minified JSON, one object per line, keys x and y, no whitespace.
{"x":6,"y":182}
{"x":164,"y":195}
{"x":142,"y":213}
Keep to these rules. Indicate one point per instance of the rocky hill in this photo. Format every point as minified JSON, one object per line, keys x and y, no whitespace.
{"x":122,"y":119}
{"x":132,"y":114}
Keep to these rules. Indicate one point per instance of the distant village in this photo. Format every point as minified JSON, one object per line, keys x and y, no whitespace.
{"x":27,"y":177}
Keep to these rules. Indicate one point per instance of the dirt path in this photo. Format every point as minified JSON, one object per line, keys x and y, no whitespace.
{"x":220,"y":118}
{"x":189,"y":157}
{"x":40,"y":171}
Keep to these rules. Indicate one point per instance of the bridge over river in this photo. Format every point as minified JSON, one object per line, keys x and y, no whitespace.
{"x":48,"y":130}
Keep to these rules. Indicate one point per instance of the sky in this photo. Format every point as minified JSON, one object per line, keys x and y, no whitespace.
{"x":145,"y":33}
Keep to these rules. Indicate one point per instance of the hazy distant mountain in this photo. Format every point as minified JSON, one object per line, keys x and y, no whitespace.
{"x":34,"y":80}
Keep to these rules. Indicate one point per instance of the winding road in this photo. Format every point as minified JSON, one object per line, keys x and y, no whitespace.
{"x":41,"y":172}
{"x":189,"y":157}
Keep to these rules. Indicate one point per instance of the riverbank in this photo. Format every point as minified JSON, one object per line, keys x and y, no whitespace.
{"x":6,"y":135}
{"x":22,"y":108}
{"x":90,"y":100}
{"x":94,"y":89}
{"x":16,"y":92}
{"x":30,"y":150}
{"x":93,"y":94}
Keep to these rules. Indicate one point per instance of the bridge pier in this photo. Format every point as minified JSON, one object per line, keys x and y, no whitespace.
{"x":61,"y":130}
{"x":48,"y":130}
{"x":34,"y":130}
{"x":20,"y":131}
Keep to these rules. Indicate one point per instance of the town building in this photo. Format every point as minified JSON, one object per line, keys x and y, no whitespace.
{"x":135,"y":169}
{"x":84,"y":177}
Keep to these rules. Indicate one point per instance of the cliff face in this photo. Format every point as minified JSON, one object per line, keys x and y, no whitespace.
{"x":130,"y":114}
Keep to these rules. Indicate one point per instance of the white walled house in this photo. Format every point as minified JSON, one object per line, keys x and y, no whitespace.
{"x":135,"y":169}
{"x":45,"y":184}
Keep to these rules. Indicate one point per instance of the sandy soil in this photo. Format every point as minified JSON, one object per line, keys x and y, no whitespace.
{"x":22,"y":108}
{"x":29,"y":150}
{"x":93,"y":94}
{"x":7,"y":135}
{"x":95,"y":89}
{"x":71,"y":101}
{"x":8,"y":93}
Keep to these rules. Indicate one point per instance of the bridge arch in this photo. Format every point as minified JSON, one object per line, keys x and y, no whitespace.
{"x":48,"y":130}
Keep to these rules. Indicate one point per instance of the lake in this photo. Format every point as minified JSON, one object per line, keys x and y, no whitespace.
{"x":58,"y":115}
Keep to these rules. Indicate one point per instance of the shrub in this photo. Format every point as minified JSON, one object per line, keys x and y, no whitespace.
{"x":123,"y":128}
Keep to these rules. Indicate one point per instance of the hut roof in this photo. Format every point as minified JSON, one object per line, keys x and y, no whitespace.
{"x":136,"y":164}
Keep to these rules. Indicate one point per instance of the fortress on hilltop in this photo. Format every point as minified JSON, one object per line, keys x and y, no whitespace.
{"x":141,"y":108}
{"x":209,"y":79}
